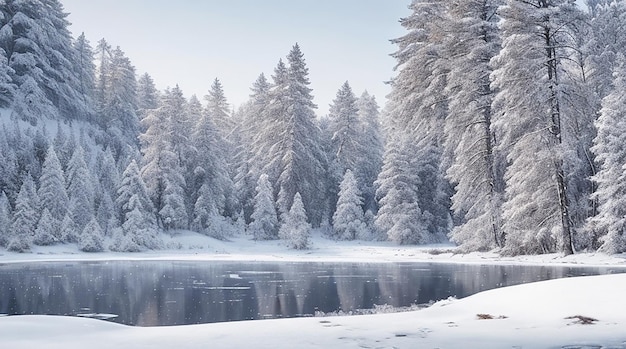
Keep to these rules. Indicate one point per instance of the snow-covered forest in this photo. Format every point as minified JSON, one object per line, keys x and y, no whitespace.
{"x":504,"y":130}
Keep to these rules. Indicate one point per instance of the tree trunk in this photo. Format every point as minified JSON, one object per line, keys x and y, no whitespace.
{"x":555,"y":130}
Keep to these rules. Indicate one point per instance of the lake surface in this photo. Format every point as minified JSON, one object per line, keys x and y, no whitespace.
{"x":162,"y":293}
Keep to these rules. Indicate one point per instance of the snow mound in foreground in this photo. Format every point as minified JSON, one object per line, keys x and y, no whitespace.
{"x":583,"y":312}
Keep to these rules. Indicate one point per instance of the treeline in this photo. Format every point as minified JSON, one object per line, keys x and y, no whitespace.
{"x":513,"y":111}
{"x":503,"y":131}
{"x":125,"y":161}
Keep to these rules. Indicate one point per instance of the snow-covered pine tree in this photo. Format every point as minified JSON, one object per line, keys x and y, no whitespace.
{"x":248,"y":157}
{"x":7,"y":87}
{"x":80,"y":189}
{"x":5,"y":219}
{"x":346,"y":150}
{"x":147,"y":94}
{"x":132,"y":184}
{"x":348,"y":220}
{"x":611,"y":155}
{"x":52,"y":189}
{"x":36,"y":38}
{"x":218,"y":109}
{"x":296,"y":230}
{"x":106,"y":214}
{"x":9,"y":169}
{"x":296,"y":161}
{"x":161,"y":170}
{"x":400,"y":217}
{"x":264,"y":225}
{"x":25,"y":217}
{"x":92,"y":238}
{"x":416,"y":109}
{"x":212,"y":182}
{"x":68,"y":230}
{"x":475,"y":170}
{"x":529,"y":104}
{"x":373,"y":146}
{"x":85,"y":73}
{"x":48,"y":229}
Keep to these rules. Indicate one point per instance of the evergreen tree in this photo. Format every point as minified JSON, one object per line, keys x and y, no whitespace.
{"x":264,"y":225}
{"x":248,"y":156}
{"x":91,"y":239}
{"x":7,"y":87}
{"x":25,"y":218}
{"x":212,"y":181}
{"x":346,"y":149}
{"x":36,"y":39}
{"x":9,"y":170}
{"x":85,"y":71}
{"x":400,"y":217}
{"x":296,"y":161}
{"x":147,"y":94}
{"x":348,"y":220}
{"x":68,"y":231}
{"x":5,"y":219}
{"x":416,"y":113}
{"x":610,"y":153}
{"x":470,"y":141}
{"x":80,"y":189}
{"x":373,"y":146}
{"x":47,"y":229}
{"x":106,"y":214}
{"x":536,"y":214}
{"x":296,"y":230}
{"x":52,"y":192}
{"x":133,"y":185}
{"x":163,"y":148}
{"x":218,"y":109}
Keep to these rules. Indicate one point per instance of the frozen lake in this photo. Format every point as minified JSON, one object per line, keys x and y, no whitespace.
{"x":148,"y":293}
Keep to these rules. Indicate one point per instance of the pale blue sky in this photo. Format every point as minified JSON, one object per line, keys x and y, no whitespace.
{"x":190,"y":42}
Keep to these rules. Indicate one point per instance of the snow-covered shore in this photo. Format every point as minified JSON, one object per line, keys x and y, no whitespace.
{"x":185,"y":245}
{"x":534,"y":315}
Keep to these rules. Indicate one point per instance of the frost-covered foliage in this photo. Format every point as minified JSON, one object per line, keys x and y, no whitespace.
{"x":52,"y":190}
{"x":489,"y":129}
{"x":42,"y":62}
{"x":348,"y":220}
{"x":47,"y":231}
{"x":415,"y":118}
{"x":25,"y":217}
{"x":91,"y":239}
{"x":371,"y":160}
{"x":5,"y":219}
{"x":610,"y":223}
{"x":264,"y":225}
{"x":295,"y":228}
{"x":475,"y":169}
{"x":295,"y":161}
{"x":528,"y":75}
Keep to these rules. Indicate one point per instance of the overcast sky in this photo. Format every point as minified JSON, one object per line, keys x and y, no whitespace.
{"x":191,"y":42}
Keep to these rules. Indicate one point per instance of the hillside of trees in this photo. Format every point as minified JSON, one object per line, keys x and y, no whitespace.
{"x":505,"y":129}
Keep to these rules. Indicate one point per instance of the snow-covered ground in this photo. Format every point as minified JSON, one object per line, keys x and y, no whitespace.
{"x":540,"y":315}
{"x":186,"y":245}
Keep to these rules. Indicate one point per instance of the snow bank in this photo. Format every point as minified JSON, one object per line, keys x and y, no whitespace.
{"x":534,"y":315}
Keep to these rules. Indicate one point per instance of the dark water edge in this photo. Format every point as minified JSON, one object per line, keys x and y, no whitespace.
{"x":162,"y":293}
